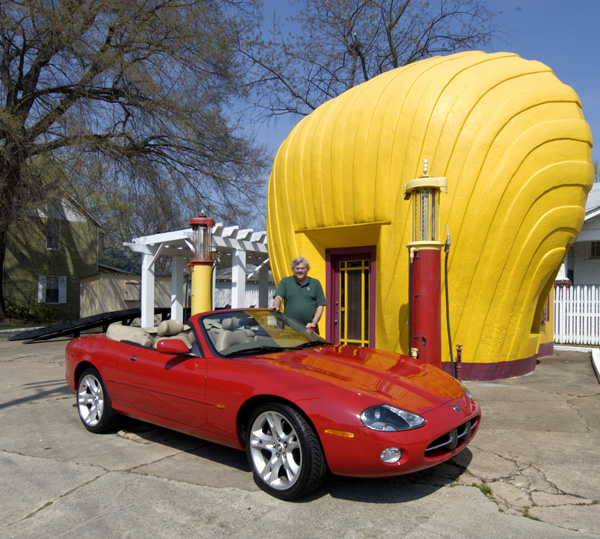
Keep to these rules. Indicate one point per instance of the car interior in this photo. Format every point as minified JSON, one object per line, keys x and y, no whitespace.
{"x":149,"y":337}
{"x":227,"y":332}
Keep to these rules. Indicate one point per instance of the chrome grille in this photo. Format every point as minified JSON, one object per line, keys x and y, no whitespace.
{"x":453,"y":439}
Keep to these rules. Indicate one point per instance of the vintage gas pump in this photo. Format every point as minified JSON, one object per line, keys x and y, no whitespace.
{"x":201,"y":264}
{"x":425,"y":250}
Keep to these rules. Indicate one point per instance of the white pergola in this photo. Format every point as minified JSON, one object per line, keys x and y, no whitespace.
{"x":239,"y":247}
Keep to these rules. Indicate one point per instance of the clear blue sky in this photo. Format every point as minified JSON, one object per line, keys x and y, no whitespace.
{"x":563,"y":34}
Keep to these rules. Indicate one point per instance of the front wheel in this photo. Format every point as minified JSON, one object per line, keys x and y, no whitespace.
{"x":284,"y":452}
{"x":93,"y":403}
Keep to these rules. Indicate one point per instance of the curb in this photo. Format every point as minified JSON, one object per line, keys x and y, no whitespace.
{"x":596,"y":362}
{"x":5,"y":334}
{"x":18,"y":330}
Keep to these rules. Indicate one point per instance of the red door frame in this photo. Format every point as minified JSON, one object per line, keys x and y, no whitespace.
{"x":332,"y":257}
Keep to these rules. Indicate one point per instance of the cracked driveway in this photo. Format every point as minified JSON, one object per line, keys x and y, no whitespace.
{"x":532,"y":470}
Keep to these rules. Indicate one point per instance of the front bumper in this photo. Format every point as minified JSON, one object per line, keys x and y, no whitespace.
{"x":446,"y":433}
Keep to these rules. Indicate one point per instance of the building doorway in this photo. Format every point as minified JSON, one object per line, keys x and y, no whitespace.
{"x":351,"y":295}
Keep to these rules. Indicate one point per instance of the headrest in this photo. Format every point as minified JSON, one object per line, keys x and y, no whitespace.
{"x":231,"y":323}
{"x":168,"y":328}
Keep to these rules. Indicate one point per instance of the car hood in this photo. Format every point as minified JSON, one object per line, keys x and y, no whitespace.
{"x":389,"y":377}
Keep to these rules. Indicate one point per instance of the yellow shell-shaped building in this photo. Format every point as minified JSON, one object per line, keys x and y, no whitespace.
{"x":513,"y":144}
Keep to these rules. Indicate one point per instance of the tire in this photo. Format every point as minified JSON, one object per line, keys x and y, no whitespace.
{"x":93,"y":403}
{"x":284,"y":452}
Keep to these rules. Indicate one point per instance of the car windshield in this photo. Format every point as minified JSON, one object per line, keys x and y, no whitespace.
{"x":256,"y":331}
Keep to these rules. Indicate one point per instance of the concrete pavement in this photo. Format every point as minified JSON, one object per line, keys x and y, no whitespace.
{"x":532,"y":471}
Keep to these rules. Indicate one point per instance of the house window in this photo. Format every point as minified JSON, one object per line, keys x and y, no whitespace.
{"x":53,"y":234}
{"x":52,"y":289}
{"x":595,"y":252}
{"x":51,"y":295}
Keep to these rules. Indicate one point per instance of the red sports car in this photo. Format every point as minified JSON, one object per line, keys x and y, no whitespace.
{"x":256,"y":380}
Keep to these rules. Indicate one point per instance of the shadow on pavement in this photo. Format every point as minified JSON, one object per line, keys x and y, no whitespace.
{"x":399,"y":489}
{"x":41,"y":390}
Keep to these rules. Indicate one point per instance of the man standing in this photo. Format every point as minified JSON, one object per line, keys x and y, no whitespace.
{"x":303,"y":295}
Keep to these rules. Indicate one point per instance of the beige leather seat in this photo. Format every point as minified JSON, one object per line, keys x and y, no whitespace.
{"x":231,"y":334}
{"x":172,"y":329}
{"x":118,"y":332}
{"x":213,"y":328}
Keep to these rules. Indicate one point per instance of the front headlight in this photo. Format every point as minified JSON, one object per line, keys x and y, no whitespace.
{"x":464,"y":388}
{"x":384,"y":417}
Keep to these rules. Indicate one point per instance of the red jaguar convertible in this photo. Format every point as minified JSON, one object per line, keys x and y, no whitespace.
{"x":256,"y":380}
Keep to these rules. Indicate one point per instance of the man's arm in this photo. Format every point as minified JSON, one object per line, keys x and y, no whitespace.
{"x":276,"y":303}
{"x":318,"y":314}
{"x":316,"y":317}
{"x":279,"y":295}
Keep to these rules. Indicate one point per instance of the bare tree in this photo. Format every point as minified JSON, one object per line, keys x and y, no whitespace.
{"x":134,"y":101}
{"x":338,"y":44}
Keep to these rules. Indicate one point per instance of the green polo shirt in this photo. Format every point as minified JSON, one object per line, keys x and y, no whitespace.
{"x":301,"y":301}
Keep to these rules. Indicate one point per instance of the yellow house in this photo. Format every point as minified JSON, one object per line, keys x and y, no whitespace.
{"x":513,"y":144}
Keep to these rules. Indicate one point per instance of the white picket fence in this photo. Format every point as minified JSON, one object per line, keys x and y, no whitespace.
{"x":577,"y":314}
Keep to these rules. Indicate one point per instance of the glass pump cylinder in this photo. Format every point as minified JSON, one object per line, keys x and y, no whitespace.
{"x":426,"y":215}
{"x":425,"y":192}
{"x":202,"y":237}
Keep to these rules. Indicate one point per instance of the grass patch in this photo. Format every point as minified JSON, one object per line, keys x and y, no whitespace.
{"x":485,"y":488}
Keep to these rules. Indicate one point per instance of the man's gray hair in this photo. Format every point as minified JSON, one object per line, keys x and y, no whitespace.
{"x":299,"y":260}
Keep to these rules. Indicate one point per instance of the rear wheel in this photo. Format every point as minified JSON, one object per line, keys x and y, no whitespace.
{"x":284,"y":452}
{"x":93,"y":403}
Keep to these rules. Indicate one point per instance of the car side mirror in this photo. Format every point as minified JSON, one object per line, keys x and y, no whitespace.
{"x":172,"y":346}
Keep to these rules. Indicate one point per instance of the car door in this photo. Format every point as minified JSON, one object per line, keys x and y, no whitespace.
{"x":168,"y":386}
